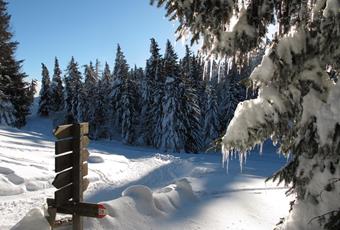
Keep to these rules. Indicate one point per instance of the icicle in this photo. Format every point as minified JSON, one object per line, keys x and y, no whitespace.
{"x":253,"y":88}
{"x":245,"y":157}
{"x":219,"y":72}
{"x":205,"y":69}
{"x":229,"y":65}
{"x":261,"y":148}
{"x":241,"y":161}
{"x":211,"y":69}
{"x":225,"y":158}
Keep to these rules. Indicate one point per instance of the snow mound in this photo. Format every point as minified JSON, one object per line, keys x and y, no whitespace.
{"x":34,"y":219}
{"x":174,"y":196}
{"x":201,"y":171}
{"x":95,"y":159}
{"x":142,"y":195}
{"x":7,"y":188}
{"x":162,"y":202}
{"x":138,"y":208}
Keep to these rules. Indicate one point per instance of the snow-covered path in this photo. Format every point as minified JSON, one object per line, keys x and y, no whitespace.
{"x":213,"y":198}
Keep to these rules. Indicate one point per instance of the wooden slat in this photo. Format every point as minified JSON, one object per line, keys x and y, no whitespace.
{"x":63,"y":195}
{"x":63,"y":131}
{"x":88,"y":209}
{"x":66,"y":131}
{"x":50,"y":202}
{"x":63,"y":162}
{"x":82,"y":209}
{"x":64,"y":178}
{"x":63,"y":146}
{"x":66,"y":161}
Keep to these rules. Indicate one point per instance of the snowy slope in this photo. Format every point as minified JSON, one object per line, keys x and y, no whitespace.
{"x":180,"y":191}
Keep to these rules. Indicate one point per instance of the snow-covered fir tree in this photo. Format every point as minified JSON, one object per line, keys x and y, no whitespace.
{"x":211,"y":124}
{"x":120,"y":74}
{"x":7,"y":110}
{"x":73,"y":86}
{"x":88,"y":95}
{"x":45,"y":101}
{"x":190,"y":105}
{"x":173,"y":124}
{"x":129,"y":107}
{"x":230,"y":93}
{"x":57,"y":89}
{"x":297,"y":103}
{"x":15,"y":99}
{"x":32,"y":90}
{"x":103,"y":113}
{"x":151,"y":95}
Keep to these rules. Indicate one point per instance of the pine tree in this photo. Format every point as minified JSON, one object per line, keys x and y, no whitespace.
{"x":57,"y":89}
{"x":32,"y":90}
{"x":73,"y":86}
{"x":7,"y":110}
{"x":45,"y":93}
{"x":173,"y":127}
{"x":230,"y":93}
{"x":190,"y":105}
{"x":295,"y":96}
{"x":150,"y":113}
{"x":129,"y":106}
{"x":15,"y":91}
{"x":211,"y":119}
{"x":103,"y":111}
{"x":120,"y":74}
{"x":88,"y":95}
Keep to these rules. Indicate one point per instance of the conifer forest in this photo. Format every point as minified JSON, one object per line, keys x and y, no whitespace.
{"x":174,"y":104}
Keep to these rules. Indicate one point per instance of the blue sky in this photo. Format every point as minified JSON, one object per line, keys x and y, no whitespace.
{"x":86,"y":29}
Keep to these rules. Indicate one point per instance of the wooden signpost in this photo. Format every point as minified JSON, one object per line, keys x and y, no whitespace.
{"x":71,"y":168}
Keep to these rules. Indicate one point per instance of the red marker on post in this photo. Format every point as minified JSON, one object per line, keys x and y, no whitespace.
{"x":102,"y":212}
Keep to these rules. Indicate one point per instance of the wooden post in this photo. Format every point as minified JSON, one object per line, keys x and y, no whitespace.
{"x":77,"y":175}
{"x":71,"y":168}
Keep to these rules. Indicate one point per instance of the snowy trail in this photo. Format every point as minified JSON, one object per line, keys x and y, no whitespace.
{"x":218,"y":200}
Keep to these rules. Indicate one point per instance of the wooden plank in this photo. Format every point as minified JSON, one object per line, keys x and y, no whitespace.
{"x":64,"y":178}
{"x":66,"y":161}
{"x":63,"y":131}
{"x":83,"y":209}
{"x":63,"y":195}
{"x":63,"y":162}
{"x":91,"y":210}
{"x":63,"y":146}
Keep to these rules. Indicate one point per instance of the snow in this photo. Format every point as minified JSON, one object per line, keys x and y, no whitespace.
{"x":292,"y":43}
{"x":332,"y":8}
{"x":140,"y":187}
{"x":263,"y":72}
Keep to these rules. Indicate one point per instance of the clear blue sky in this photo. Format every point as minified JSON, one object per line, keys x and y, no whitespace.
{"x":86,"y":29}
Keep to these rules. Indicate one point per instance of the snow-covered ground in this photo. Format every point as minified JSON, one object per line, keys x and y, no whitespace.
{"x":141,"y":188}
